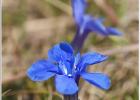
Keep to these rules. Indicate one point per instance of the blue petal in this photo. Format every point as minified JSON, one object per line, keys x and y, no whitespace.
{"x":59,"y":52}
{"x":41,"y":70}
{"x":65,"y":67}
{"x":98,"y":79}
{"x":54,"y":53}
{"x":65,"y":85}
{"x":113,"y":31}
{"x":91,"y":58}
{"x":94,"y":25}
{"x":78,"y":7}
{"x":77,"y":59}
{"x":101,"y":19}
{"x":66,"y":47}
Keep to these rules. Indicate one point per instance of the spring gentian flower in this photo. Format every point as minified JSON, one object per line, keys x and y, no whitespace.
{"x":67,"y":68}
{"x":86,"y":23}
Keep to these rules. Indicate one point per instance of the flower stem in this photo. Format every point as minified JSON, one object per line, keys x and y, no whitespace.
{"x":78,"y":41}
{"x":74,"y":96}
{"x":71,"y":97}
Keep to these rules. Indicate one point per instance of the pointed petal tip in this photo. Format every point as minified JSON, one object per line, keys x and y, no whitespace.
{"x":95,"y":25}
{"x":104,"y":57}
{"x":114,"y":31}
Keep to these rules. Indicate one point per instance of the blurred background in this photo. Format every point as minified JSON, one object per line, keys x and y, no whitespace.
{"x":31,"y":27}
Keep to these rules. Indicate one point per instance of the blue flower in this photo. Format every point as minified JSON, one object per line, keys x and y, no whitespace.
{"x":68,"y":68}
{"x":86,"y":23}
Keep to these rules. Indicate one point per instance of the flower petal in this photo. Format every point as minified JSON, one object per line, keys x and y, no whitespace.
{"x":77,"y":59}
{"x":98,"y":79}
{"x":60,"y":51}
{"x":95,"y":25}
{"x":65,"y":85}
{"x":101,"y":19}
{"x":113,"y":31}
{"x":41,"y":70}
{"x":78,"y":7}
{"x":91,"y":58}
{"x":66,"y":47}
{"x":54,"y":53}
